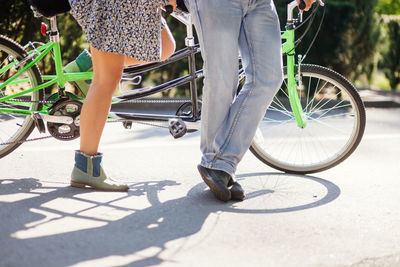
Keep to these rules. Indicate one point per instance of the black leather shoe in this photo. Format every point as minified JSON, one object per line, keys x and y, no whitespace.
{"x":217,"y":181}
{"x":237,"y":192}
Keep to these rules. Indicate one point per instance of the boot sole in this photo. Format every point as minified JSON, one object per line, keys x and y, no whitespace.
{"x":75,"y":184}
{"x":221,"y":194}
{"x":79,"y":185}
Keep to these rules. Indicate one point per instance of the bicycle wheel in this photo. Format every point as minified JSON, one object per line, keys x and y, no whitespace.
{"x":335,"y":123}
{"x":15,"y":128}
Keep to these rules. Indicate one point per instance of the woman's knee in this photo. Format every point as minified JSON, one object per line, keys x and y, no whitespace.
{"x":107,"y":67}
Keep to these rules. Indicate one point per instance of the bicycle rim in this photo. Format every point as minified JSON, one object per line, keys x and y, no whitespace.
{"x":15,"y":128}
{"x":335,"y":122}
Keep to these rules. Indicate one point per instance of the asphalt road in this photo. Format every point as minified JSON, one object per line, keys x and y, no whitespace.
{"x":346,"y":216}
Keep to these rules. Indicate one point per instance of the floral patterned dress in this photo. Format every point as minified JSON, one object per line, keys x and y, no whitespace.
{"x":129,"y":27}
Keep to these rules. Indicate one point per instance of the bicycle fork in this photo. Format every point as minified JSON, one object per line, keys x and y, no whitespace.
{"x":294,"y":99}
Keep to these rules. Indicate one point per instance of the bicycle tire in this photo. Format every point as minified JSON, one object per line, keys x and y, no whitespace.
{"x":335,"y":117}
{"x":16,"y":128}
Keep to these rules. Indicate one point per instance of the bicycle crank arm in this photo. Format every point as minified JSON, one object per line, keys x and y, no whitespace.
{"x":178,"y":127}
{"x":193,"y":126}
{"x":55,"y":119}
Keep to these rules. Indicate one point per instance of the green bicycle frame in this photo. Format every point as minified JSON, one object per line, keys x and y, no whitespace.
{"x":36,"y":55}
{"x":288,"y":49}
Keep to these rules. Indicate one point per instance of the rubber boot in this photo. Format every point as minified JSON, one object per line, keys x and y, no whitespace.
{"x":89,"y":172}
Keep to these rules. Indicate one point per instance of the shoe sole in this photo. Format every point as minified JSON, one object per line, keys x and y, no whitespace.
{"x":218,"y":192}
{"x":237,"y":197}
{"x":79,"y":185}
{"x":237,"y":194}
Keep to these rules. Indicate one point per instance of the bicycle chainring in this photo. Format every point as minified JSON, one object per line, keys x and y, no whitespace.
{"x":186,"y":109}
{"x":65,"y":132}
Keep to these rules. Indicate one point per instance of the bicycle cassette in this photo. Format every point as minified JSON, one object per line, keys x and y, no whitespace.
{"x":70,"y":108}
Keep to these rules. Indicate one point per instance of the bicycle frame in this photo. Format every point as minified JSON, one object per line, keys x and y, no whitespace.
{"x":34,"y":56}
{"x":60,"y":78}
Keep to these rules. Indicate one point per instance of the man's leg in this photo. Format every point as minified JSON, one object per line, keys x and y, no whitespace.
{"x":218,"y":27}
{"x":260,"y":47}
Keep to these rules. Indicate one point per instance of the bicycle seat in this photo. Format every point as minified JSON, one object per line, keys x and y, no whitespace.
{"x":50,"y":8}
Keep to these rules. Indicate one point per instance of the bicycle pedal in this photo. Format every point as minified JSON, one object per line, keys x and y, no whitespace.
{"x":39,"y":122}
{"x":177,"y":128}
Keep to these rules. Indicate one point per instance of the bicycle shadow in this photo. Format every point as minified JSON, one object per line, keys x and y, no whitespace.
{"x":146,"y":132}
{"x":34,"y":231}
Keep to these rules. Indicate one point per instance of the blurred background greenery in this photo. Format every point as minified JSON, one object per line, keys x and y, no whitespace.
{"x":359,"y":39}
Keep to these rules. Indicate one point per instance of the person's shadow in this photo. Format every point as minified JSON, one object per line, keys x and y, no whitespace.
{"x":138,"y":238}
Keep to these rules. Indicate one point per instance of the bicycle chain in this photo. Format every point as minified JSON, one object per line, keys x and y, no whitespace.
{"x":34,"y":101}
{"x":27,"y":140}
{"x":156,"y":101}
{"x":142,"y":101}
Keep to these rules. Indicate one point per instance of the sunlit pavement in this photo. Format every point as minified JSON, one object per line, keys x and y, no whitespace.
{"x":348,"y":215}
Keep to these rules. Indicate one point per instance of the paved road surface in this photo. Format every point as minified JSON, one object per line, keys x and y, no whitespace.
{"x":346,"y":216}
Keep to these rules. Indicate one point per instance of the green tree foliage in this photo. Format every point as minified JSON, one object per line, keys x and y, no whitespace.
{"x":389,"y":7}
{"x":391,"y":58}
{"x":18,"y":23}
{"x":348,"y":37}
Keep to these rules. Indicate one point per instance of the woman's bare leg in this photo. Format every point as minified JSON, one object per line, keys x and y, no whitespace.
{"x":167,"y":43}
{"x":107,"y":69}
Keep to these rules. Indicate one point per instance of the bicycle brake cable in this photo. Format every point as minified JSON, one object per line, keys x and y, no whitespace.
{"x":308,"y":17}
{"x":312,"y":18}
{"x":315,"y":36}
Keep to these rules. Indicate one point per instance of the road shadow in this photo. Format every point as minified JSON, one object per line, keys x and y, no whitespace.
{"x":46,"y":225}
{"x":145,"y":131}
{"x":299,"y":192}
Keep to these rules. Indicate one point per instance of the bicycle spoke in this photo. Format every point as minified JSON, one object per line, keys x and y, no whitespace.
{"x":281,"y":105}
{"x":335,"y":108}
{"x":281,"y":124}
{"x":330,"y":99}
{"x":329,"y":110}
{"x":284,"y":111}
{"x":308,"y":93}
{"x":342,"y":115}
{"x":316,"y":93}
{"x":327,"y":125}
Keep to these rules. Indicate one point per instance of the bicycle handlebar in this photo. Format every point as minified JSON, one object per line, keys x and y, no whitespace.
{"x":302,"y":4}
{"x":169,"y":9}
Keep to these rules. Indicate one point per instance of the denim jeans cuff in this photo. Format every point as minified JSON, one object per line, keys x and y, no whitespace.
{"x":219,"y":165}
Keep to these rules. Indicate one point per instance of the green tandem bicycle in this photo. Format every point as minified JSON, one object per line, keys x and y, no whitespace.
{"x":316,"y":120}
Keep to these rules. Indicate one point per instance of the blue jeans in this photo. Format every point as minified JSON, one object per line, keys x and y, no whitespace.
{"x":224,"y":28}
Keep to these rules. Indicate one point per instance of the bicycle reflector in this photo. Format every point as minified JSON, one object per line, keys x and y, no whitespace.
{"x":43,"y":29}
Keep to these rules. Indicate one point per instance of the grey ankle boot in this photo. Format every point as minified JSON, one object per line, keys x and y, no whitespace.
{"x":89,"y":172}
